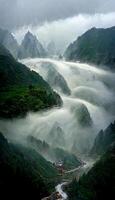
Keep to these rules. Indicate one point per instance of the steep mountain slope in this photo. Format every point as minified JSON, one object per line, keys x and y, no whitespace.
{"x":31,"y":47}
{"x":24,"y":171}
{"x":99,"y":183}
{"x":8,"y":40}
{"x":54,"y":154}
{"x":22,"y":90}
{"x":14,"y":73}
{"x":95,"y":46}
{"x":55,"y":79}
{"x":82,"y":115}
{"x":103,"y":140}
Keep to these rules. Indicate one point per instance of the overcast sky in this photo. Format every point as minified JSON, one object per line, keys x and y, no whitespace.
{"x":15,"y":13}
{"x":59,"y":20}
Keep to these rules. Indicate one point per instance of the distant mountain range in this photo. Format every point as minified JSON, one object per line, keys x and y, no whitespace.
{"x":8,"y":41}
{"x":30,"y":46}
{"x":96,"y":46}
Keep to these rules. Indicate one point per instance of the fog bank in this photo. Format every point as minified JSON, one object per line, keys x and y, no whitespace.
{"x":88,"y":109}
{"x":62,"y":32}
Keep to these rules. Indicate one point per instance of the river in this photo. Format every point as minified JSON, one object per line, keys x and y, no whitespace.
{"x":59,"y":189}
{"x":78,"y":172}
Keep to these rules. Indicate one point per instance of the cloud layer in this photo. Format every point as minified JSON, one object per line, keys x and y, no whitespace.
{"x":62,"y":32}
{"x":16,"y":13}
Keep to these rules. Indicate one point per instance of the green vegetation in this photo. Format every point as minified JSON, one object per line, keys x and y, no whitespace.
{"x":22,"y":90}
{"x":103,"y":141}
{"x":82,"y":115}
{"x":70,"y":161}
{"x":25,"y":172}
{"x":99,"y":183}
{"x":17,"y":101}
{"x":95,"y":46}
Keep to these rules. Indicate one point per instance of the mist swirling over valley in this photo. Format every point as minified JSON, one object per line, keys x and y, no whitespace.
{"x":57,"y":99}
{"x":88,"y":95}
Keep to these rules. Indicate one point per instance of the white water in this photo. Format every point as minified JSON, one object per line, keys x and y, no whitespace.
{"x":59,"y":188}
{"x":89,"y":86}
{"x":79,"y":171}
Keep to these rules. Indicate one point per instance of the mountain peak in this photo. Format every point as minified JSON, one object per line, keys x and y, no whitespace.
{"x":93,"y":28}
{"x":31,"y":47}
{"x":95,"y":46}
{"x":8,"y":40}
{"x":29,"y":34}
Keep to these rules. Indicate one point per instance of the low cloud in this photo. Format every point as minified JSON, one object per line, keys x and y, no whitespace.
{"x":17,"y":13}
{"x":63,"y":32}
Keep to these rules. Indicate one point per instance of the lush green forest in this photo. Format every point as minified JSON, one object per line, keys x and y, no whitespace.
{"x":22,"y":90}
{"x":103,"y":140}
{"x":26,"y":169}
{"x":69,"y":160}
{"x":99,"y":183}
{"x":24,"y":172}
{"x":95,"y":46}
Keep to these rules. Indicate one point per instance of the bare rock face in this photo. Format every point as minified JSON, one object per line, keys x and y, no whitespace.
{"x":31,"y":47}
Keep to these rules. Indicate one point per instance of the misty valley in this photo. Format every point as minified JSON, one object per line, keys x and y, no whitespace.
{"x":84,"y":111}
{"x":57,"y":117}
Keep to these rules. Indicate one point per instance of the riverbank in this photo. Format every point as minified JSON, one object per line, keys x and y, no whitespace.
{"x":59,"y":193}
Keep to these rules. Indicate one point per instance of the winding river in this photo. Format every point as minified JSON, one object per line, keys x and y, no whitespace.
{"x":59,"y":189}
{"x":78,"y":172}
